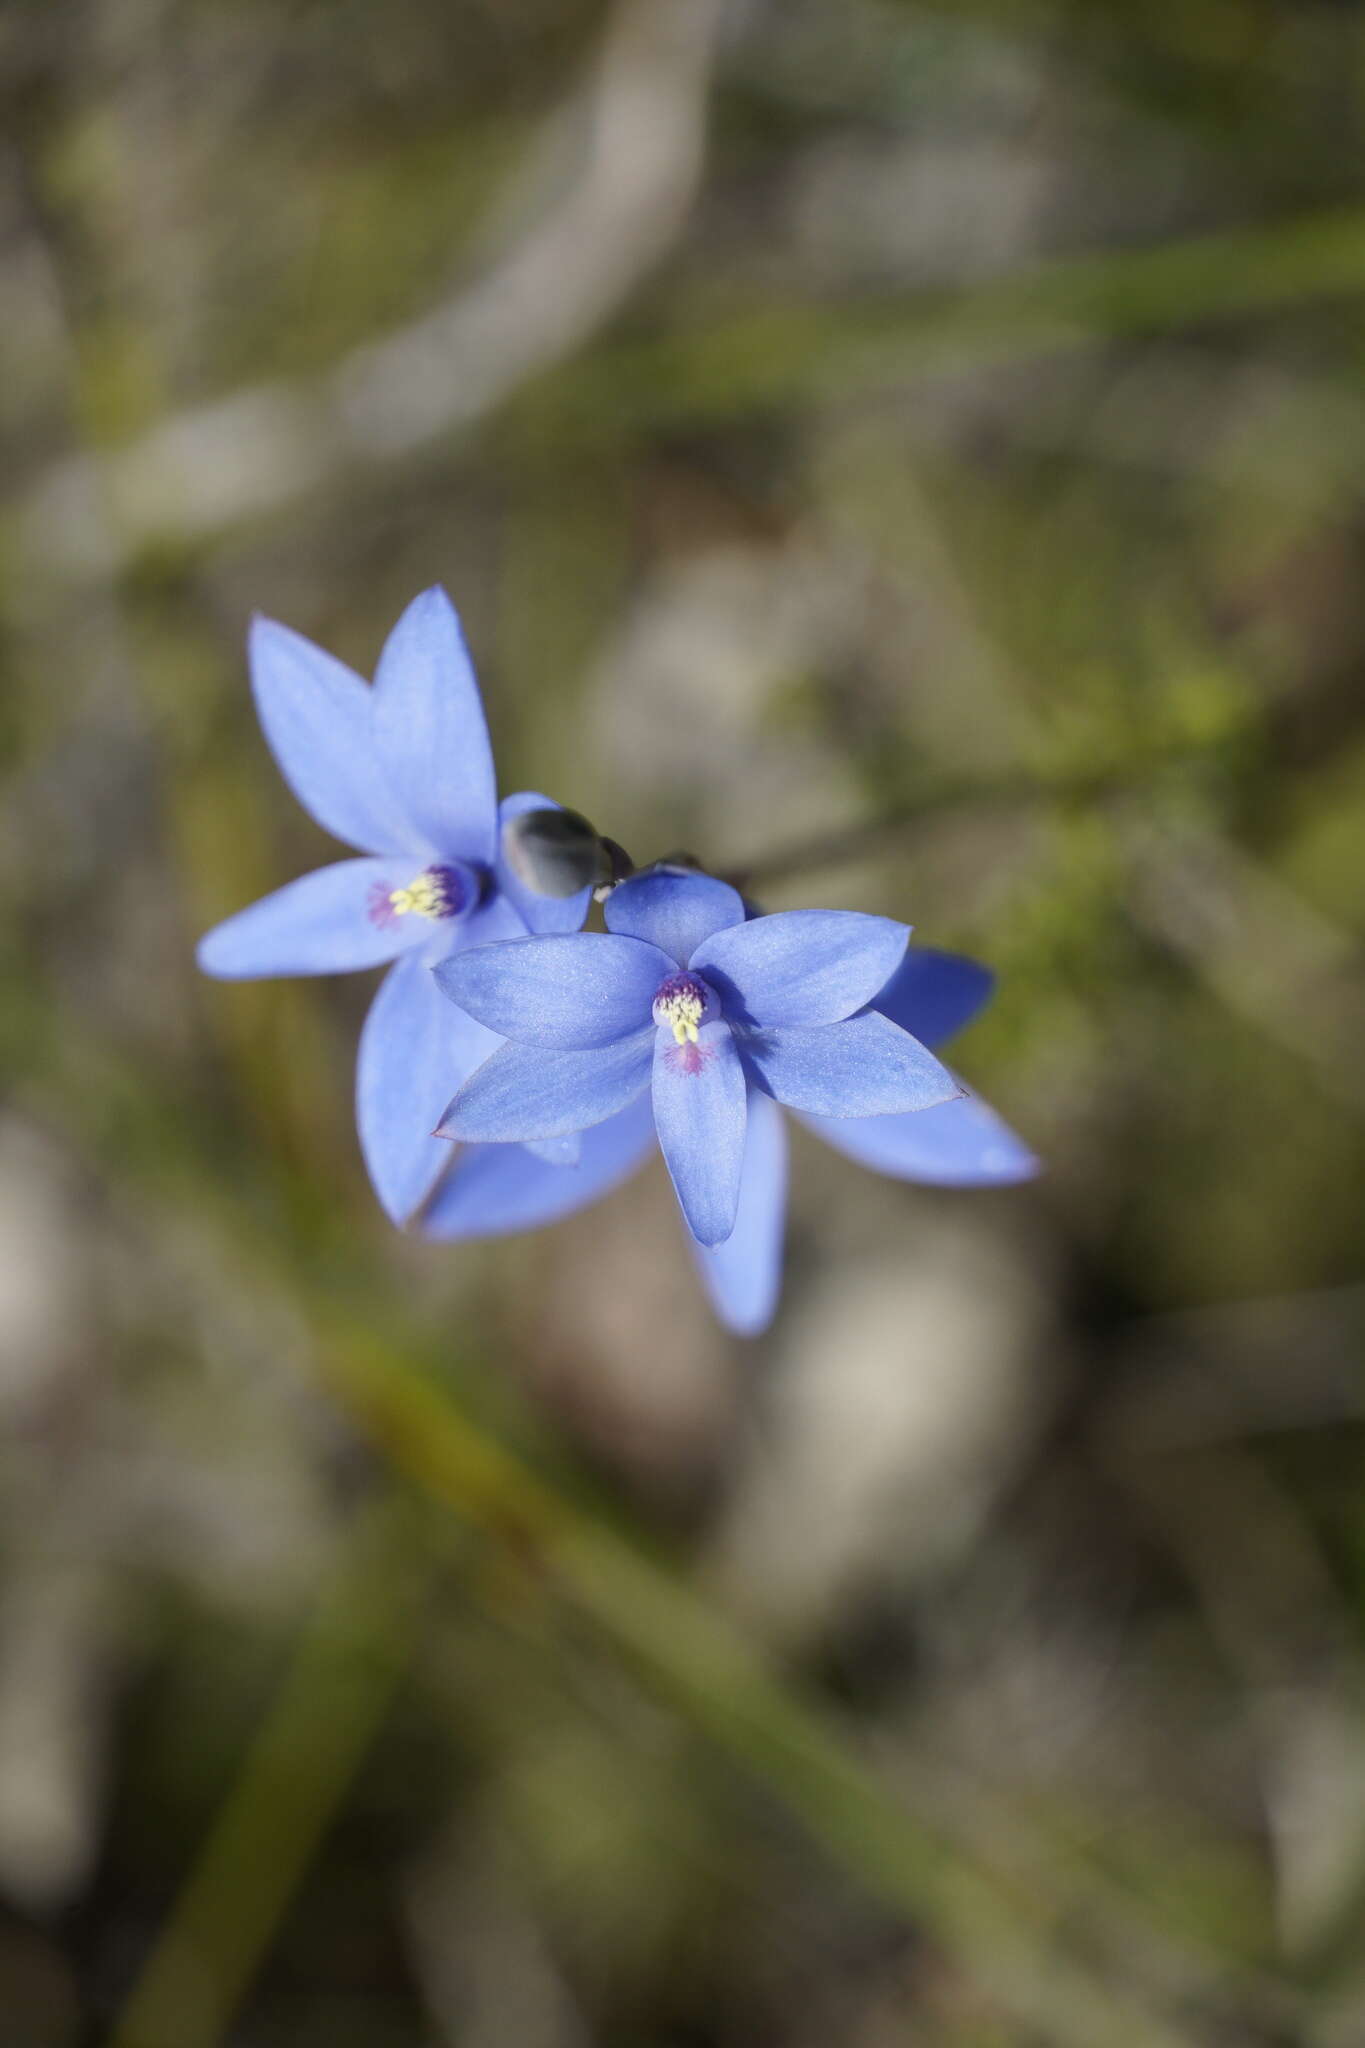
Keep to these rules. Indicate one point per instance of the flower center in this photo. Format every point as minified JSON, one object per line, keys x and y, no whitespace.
{"x":681,"y":1004}
{"x":436,"y":893}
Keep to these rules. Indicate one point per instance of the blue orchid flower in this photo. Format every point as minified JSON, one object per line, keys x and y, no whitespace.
{"x":686,"y":996}
{"x":717,"y":1017}
{"x":403,"y":772}
{"x":499,"y":1188}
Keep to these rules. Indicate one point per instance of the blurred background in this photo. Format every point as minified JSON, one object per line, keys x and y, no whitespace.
{"x":914,"y":453}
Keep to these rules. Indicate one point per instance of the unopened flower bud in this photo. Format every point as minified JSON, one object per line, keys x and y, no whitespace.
{"x":554,"y":853}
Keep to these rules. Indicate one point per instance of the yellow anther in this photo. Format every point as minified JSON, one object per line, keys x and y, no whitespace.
{"x":681,"y":1004}
{"x":427,"y":895}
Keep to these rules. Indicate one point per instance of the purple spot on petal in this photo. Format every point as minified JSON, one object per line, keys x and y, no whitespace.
{"x":380,"y":907}
{"x":688,"y":1058}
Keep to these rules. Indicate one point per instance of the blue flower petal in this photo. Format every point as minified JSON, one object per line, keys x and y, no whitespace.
{"x":866,"y":1066}
{"x":699,"y":1108}
{"x":961,"y":1144}
{"x":801,"y":966}
{"x":673,"y":908}
{"x":932,"y":995}
{"x":525,"y":1091}
{"x":494,"y":920}
{"x":317,"y":716}
{"x":566,"y":1151}
{"x":496,"y":1189}
{"x":568,"y":992}
{"x":430,"y":733}
{"x":329,"y":922}
{"x":414,"y":1049}
{"x":743,"y":1276}
{"x":538,"y":913}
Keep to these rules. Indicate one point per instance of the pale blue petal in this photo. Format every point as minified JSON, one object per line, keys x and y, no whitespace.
{"x":569,"y":992}
{"x":329,"y":922}
{"x":699,"y":1108}
{"x":317,"y":716}
{"x":526,"y":1091}
{"x":558,"y":1151}
{"x":801,"y":966}
{"x":932,"y":995}
{"x":430,"y":732}
{"x":538,"y":913}
{"x":743,"y":1276}
{"x":494,"y":920}
{"x":414,"y":1049}
{"x":961,"y":1144}
{"x":673,"y":908}
{"x":497,"y":1189}
{"x":866,"y":1066}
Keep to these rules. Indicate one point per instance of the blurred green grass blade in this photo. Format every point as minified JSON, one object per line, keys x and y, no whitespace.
{"x":744,"y":358}
{"x":333,"y":1697}
{"x":1008,"y":1943}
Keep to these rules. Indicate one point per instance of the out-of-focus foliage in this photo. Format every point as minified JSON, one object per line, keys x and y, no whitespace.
{"x":912,"y":455}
